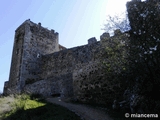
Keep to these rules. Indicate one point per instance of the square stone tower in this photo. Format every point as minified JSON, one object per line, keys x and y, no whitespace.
{"x":31,"y":41}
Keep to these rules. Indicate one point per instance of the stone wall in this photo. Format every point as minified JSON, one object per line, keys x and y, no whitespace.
{"x":43,"y":69}
{"x":14,"y":78}
{"x":89,"y":80}
{"x":38,"y":41}
{"x":38,"y":65}
{"x":71,"y":72}
{"x":31,"y":42}
{"x":59,"y":67}
{"x":65,"y":61}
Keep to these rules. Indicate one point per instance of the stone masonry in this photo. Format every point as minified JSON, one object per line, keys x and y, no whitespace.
{"x":41,"y":65}
{"x":30,"y":43}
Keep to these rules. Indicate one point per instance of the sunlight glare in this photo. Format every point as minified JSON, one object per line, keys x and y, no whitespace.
{"x":116,"y":6}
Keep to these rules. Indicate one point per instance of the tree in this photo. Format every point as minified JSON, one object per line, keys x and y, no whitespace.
{"x":118,"y":21}
{"x":116,"y":53}
{"x":143,"y":54}
{"x":115,"y":64}
{"x":145,"y":42}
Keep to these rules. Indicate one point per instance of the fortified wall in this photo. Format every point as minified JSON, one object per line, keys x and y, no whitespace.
{"x":58,"y":69}
{"x":30,"y":42}
{"x":40,"y":65}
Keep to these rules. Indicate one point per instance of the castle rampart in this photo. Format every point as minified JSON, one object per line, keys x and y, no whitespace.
{"x":59,"y":66}
{"x":40,"y":65}
{"x":43,"y":69}
{"x":30,"y":42}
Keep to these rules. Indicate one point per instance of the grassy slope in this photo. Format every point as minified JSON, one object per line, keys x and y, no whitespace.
{"x":25,"y":107}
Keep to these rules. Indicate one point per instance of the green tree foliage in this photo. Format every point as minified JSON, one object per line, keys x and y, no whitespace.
{"x":145,"y":46}
{"x":116,"y":53}
{"x":137,"y":62}
{"x":116,"y":63}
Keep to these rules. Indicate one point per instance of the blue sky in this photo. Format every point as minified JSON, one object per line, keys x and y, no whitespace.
{"x":75,"y":20}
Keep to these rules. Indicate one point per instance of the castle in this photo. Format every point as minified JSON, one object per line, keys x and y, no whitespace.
{"x":41,"y":65}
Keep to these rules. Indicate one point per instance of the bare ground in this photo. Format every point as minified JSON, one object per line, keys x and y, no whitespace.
{"x":85,"y":112}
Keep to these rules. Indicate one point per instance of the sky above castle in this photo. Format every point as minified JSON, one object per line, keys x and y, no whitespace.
{"x":75,"y":20}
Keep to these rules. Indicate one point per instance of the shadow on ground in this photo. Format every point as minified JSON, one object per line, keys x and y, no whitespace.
{"x":46,"y":112}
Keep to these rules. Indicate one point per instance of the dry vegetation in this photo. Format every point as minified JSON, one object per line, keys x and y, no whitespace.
{"x":31,"y":107}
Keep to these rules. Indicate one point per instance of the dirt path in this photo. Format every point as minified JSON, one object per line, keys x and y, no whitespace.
{"x":85,"y":112}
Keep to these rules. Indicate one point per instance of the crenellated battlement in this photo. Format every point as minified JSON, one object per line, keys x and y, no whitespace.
{"x":118,"y":35}
{"x":38,"y":29}
{"x":31,"y":41}
{"x":40,"y":65}
{"x":91,"y":73}
{"x":38,"y":60}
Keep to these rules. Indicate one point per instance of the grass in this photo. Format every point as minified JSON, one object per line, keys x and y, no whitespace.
{"x":30,"y":107}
